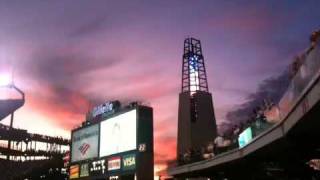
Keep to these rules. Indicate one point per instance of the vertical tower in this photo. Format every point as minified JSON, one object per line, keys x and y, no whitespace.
{"x":196,"y":119}
{"x":194,"y":77}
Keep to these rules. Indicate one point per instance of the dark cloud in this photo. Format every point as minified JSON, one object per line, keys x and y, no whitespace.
{"x":224,"y":127}
{"x":232,"y":90}
{"x":59,"y":72}
{"x":94,"y":26}
{"x":58,"y":68}
{"x":72,"y":101}
{"x":272,"y":88}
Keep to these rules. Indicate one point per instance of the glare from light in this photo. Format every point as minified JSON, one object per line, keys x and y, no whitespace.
{"x":5,"y":80}
{"x":194,"y":74}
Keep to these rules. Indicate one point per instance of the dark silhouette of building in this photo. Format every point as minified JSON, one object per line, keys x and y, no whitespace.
{"x":196,"y":119}
{"x":24,"y":160}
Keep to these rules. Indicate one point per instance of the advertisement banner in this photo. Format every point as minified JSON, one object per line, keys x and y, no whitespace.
{"x":74,"y":171}
{"x":118,"y":134}
{"x":85,"y":143}
{"x":245,"y":137}
{"x":129,"y":162}
{"x":84,"y":170}
{"x":97,"y":167}
{"x":114,"y":163}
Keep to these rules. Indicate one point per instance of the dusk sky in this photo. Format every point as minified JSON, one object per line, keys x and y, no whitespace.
{"x":67,"y":55}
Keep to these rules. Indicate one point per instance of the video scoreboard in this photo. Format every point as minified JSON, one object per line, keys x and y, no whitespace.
{"x":118,"y":147}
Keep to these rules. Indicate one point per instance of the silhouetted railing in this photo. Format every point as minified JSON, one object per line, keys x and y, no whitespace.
{"x":16,"y":134}
{"x":308,"y":71}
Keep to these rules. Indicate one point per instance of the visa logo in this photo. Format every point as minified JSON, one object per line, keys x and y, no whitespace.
{"x":130,"y":161}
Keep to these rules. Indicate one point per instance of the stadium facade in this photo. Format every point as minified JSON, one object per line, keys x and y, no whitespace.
{"x":25,"y":155}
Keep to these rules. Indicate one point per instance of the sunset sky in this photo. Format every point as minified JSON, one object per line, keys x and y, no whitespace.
{"x":67,"y":55}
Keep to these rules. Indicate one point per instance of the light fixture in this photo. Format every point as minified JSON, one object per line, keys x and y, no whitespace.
{"x":5,"y":80}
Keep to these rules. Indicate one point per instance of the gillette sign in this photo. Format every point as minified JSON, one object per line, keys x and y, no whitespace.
{"x":108,"y":107}
{"x":85,"y":143}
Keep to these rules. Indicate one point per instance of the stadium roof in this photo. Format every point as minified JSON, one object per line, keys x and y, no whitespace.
{"x":8,"y":106}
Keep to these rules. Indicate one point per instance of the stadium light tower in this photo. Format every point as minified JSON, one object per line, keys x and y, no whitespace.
{"x":196,"y":119}
{"x":194,"y":77}
{"x":7,"y":82}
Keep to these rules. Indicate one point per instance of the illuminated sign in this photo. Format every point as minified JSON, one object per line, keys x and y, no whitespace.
{"x":84,"y":170}
{"x":114,"y":163}
{"x":74,"y":171}
{"x":129,"y":162}
{"x":98,"y":167}
{"x":245,"y":137}
{"x":85,"y":143}
{"x":194,"y":73}
{"x":107,"y":107}
{"x":113,"y":177}
{"x":118,"y":134}
{"x":142,"y":147}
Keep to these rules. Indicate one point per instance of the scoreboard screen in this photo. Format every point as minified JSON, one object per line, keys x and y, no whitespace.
{"x":118,"y":134}
{"x":117,"y":146}
{"x":245,"y":137}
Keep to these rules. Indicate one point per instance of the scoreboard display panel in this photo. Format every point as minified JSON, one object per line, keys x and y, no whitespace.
{"x":85,"y":143}
{"x":245,"y":137}
{"x":121,"y":145}
{"x":118,"y":134}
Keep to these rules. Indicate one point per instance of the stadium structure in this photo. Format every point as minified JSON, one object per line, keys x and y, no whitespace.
{"x":196,"y":119}
{"x":280,"y":146}
{"x":114,"y":143}
{"x":20,"y":154}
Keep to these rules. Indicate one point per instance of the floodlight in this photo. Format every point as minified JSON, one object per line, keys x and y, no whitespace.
{"x":5,"y":80}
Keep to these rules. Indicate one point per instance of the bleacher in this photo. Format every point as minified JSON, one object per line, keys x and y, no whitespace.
{"x":16,"y":134}
{"x":28,"y":162}
{"x":37,"y":169}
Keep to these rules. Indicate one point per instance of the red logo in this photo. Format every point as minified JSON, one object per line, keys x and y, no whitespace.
{"x":84,"y":148}
{"x":114,"y":163}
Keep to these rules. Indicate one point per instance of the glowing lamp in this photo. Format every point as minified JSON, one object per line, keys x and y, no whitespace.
{"x":5,"y":80}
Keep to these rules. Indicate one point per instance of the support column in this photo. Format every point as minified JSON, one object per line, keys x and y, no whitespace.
{"x":9,"y":141}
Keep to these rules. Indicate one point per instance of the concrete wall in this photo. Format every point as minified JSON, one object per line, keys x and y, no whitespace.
{"x":195,"y":132}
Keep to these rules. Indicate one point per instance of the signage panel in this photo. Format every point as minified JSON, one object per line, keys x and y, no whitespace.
{"x":85,"y":143}
{"x":245,"y":137}
{"x":74,"y":171}
{"x":114,"y":178}
{"x":108,"y":107}
{"x":114,"y":163}
{"x":129,"y":162}
{"x":98,"y":167}
{"x":118,"y":134}
{"x":84,"y":170}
